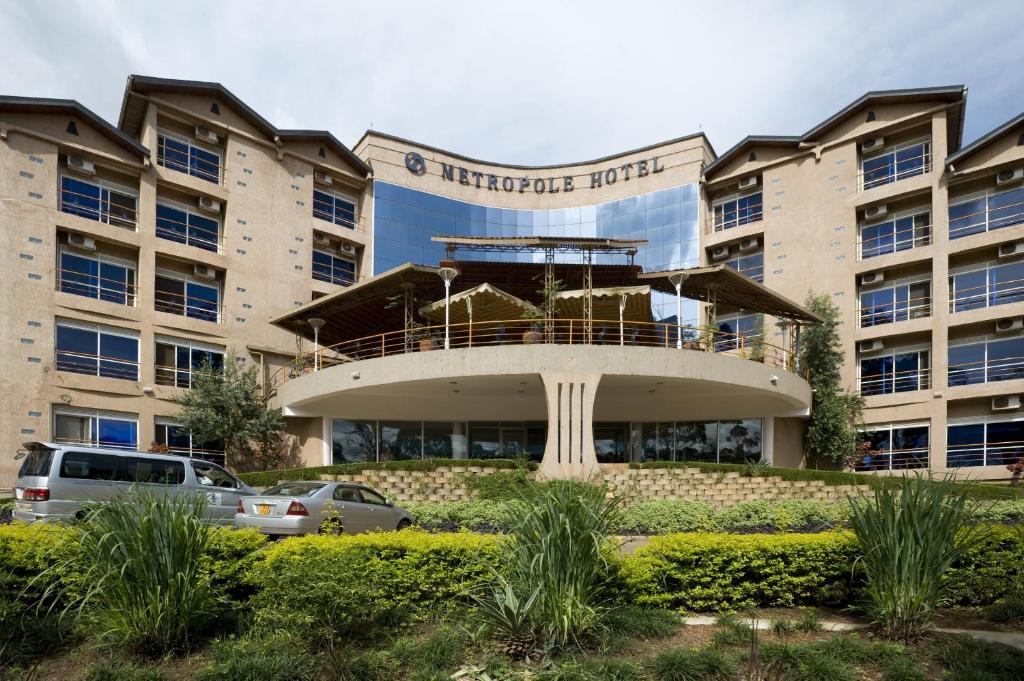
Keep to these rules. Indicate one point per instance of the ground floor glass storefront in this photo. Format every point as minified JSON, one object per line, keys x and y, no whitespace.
{"x":737,"y":441}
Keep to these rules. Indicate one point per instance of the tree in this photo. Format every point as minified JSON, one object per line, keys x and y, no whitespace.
{"x":227,"y":405}
{"x":835,"y":413}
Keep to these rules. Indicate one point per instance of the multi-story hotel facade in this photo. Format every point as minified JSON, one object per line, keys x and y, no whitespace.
{"x":194,"y":228}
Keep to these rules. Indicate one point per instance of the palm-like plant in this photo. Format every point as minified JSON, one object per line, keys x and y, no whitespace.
{"x":910,"y":535}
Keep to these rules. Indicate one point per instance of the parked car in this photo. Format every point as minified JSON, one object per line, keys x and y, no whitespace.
{"x":309,"y":507}
{"x":56,"y":480}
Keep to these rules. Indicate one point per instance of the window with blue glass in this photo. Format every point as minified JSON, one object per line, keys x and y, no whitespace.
{"x":986,"y":212}
{"x":187,"y":156}
{"x":986,"y":443}
{"x":180,"y":441}
{"x":895,"y":373}
{"x":332,"y":268}
{"x":987,"y":287}
{"x":900,"y":234}
{"x":738,"y":331}
{"x":895,"y":303}
{"x":986,"y":361}
{"x":898,"y":163}
{"x":187,"y":298}
{"x":334,"y":208}
{"x":177,"y":223}
{"x":95,"y":276}
{"x":737,"y":210}
{"x":750,"y":265}
{"x":177,"y":360}
{"x":97,"y":351}
{"x":96,"y":429}
{"x":895,"y":447}
{"x":98,"y":200}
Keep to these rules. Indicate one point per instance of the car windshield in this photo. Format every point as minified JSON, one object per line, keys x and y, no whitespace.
{"x":36,"y":463}
{"x":209,"y":475}
{"x":294,"y":489}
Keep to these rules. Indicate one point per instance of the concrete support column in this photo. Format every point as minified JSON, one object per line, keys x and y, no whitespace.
{"x":569,"y":451}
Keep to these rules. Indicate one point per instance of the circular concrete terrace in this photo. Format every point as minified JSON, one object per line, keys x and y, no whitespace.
{"x":570,"y":386}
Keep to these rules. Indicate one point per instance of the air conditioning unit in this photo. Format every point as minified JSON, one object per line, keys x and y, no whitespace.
{"x":870,"y":346}
{"x":872,"y":278}
{"x":1010,"y":250}
{"x":83,"y":242}
{"x":208,"y":204}
{"x":1010,"y":324}
{"x":204,"y":271}
{"x":719,"y":252}
{"x":872,"y":144}
{"x":346,"y":249}
{"x":748,"y":182}
{"x":749,"y":244}
{"x":321,"y":240}
{"x":1006,"y":403}
{"x":204,"y":134}
{"x":1009,"y":176}
{"x":322,"y":178}
{"x":81,"y":165}
{"x":874,"y":212}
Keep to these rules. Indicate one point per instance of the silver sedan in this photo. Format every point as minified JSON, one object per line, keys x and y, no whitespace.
{"x":308,"y":507}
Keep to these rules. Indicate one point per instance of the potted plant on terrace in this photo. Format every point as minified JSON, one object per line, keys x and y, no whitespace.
{"x":546,"y":310}
{"x":418,"y":333}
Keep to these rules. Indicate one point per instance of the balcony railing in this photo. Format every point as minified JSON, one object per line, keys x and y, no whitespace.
{"x":990,"y":371}
{"x":888,"y":313}
{"x":121,"y":213}
{"x":900,"y":240}
{"x":535,"y":332}
{"x":189,"y":234}
{"x":188,"y":306}
{"x":898,"y":167}
{"x":97,"y":365}
{"x":894,"y":460}
{"x":984,"y":454}
{"x":184,"y":157}
{"x":988,"y":294}
{"x":99,"y":288}
{"x":894,"y":382}
{"x":985,"y":220}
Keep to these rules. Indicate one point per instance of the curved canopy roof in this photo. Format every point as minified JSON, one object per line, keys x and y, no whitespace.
{"x":483,"y":303}
{"x":637,"y":299}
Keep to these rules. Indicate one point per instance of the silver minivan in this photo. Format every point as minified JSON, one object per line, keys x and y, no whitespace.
{"x":55,"y":480}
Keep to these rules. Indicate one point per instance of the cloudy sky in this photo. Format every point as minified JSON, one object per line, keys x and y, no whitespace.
{"x":526,"y":82}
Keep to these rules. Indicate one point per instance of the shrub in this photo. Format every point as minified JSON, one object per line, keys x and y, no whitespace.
{"x":503,"y":485}
{"x":718,"y":572}
{"x":1009,"y":610}
{"x":275,"y":657}
{"x":659,"y":517}
{"x":113,"y":670}
{"x":988,"y":569}
{"x":679,"y":664}
{"x":782,"y":515}
{"x":454,"y":515}
{"x":910,"y":537}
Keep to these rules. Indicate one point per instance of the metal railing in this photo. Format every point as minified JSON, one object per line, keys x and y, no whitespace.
{"x":894,"y":460}
{"x":888,"y":313}
{"x":899,"y":240}
{"x":536,"y":332}
{"x":97,"y":287}
{"x":988,"y":294}
{"x":203,"y":169}
{"x":190,"y":234}
{"x":1003,"y":216}
{"x":99,"y":209}
{"x":326,"y":211}
{"x":894,"y":382}
{"x":188,"y":306}
{"x":984,"y":454}
{"x":986,"y":371}
{"x":96,"y":365}
{"x":897,"y":169}
{"x":732,"y":219}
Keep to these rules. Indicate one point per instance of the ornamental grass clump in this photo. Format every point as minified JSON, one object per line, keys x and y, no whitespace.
{"x":140,"y":557}
{"x":910,"y":536}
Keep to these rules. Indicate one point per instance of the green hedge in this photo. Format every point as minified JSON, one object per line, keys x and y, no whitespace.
{"x":975,"y":490}
{"x":268,"y":478}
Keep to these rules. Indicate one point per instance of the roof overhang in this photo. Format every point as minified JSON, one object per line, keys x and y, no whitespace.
{"x":986,"y":139}
{"x":70,"y":107}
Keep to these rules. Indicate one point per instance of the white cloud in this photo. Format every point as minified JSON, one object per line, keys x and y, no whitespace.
{"x":530,"y":82}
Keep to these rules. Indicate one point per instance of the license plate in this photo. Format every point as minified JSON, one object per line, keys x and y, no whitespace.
{"x":22,"y":506}
{"x":263,"y":509}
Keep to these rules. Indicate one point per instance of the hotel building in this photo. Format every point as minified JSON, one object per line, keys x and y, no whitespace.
{"x":195,"y":227}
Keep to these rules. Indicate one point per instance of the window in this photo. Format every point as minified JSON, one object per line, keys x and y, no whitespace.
{"x":334,"y":208}
{"x":180,"y":442}
{"x":90,"y":466}
{"x":153,"y":471}
{"x":400,"y":440}
{"x":97,"y":351}
{"x":986,"y":361}
{"x":736,"y":441}
{"x":895,"y":304}
{"x":737,"y":210}
{"x":986,"y":212}
{"x":986,"y":443}
{"x":96,"y":276}
{"x":897,"y":163}
{"x":98,"y":200}
{"x":371,"y":497}
{"x":993,"y":285}
{"x":176,"y":360}
{"x":895,"y":447}
{"x":334,"y":269}
{"x":750,"y":265}
{"x":895,"y":373}
{"x":737,"y":331}
{"x":96,"y":429}
{"x":182,"y":225}
{"x":185,"y":156}
{"x":212,"y":475}
{"x":899,"y":234}
{"x":353,"y":441}
{"x":187,"y":298}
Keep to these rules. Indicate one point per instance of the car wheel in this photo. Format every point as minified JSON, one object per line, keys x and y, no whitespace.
{"x":331,"y":526}
{"x":403,"y":524}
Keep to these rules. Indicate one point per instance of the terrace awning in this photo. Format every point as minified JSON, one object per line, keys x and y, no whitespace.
{"x":482,"y":303}
{"x":635,"y":301}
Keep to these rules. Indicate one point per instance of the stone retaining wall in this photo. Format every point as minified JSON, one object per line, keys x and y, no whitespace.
{"x":645,"y":484}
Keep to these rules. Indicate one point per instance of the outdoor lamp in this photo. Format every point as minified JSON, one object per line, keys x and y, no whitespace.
{"x":317,"y":323}
{"x":447,"y":274}
{"x":677,"y":279}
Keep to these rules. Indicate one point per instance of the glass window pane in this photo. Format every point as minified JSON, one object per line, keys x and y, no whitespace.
{"x":965,"y":445}
{"x":353,"y":441}
{"x":399,"y":440}
{"x":79,"y":275}
{"x":77,"y":350}
{"x":697,"y":441}
{"x":966,"y":364}
{"x":171,"y":223}
{"x":80,"y":198}
{"x":739,"y":441}
{"x":117,"y":433}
